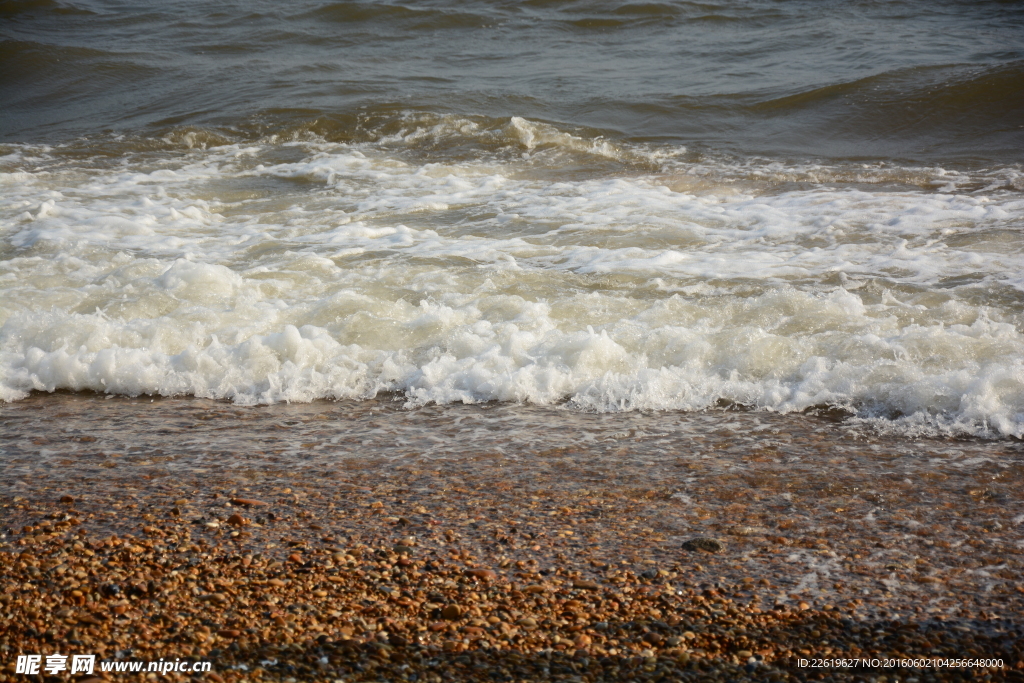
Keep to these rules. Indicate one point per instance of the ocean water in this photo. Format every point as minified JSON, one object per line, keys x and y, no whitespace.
{"x":604,"y":206}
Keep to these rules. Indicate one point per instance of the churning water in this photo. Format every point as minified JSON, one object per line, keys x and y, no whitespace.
{"x":608,"y":205}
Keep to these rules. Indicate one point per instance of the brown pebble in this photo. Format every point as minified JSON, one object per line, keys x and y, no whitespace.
{"x":229,"y":633}
{"x":652,"y":638}
{"x":585,"y":585}
{"x":296,"y":558}
{"x":451,"y":612}
{"x":247,"y":502}
{"x":438,"y":626}
{"x":67,"y":499}
{"x":534,"y":588}
{"x":237,"y":520}
{"x":708,"y":545}
{"x":483,"y":574}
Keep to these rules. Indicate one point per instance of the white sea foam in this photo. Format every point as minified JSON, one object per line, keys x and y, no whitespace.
{"x":300,"y":270}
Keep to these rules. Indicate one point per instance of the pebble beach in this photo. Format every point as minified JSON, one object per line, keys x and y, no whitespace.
{"x":440,"y":558}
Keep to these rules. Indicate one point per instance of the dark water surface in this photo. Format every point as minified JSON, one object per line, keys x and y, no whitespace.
{"x":914,"y":80}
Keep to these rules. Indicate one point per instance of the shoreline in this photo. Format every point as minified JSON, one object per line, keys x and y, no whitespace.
{"x":814,"y":539}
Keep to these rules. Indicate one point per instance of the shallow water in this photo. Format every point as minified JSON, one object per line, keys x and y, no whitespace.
{"x":825,"y":510}
{"x":609,"y":206}
{"x":85,"y":440}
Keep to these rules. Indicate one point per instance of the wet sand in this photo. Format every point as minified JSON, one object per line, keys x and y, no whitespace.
{"x":557,"y":536}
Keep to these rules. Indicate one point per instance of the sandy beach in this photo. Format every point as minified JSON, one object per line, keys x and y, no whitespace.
{"x":362,"y":541}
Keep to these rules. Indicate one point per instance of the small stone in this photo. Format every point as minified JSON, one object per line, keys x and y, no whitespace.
{"x":229,"y":633}
{"x":296,"y":558}
{"x":247,"y":502}
{"x":237,"y":520}
{"x":482,"y":574}
{"x":804,"y":606}
{"x":534,"y":588}
{"x":451,"y":612}
{"x":652,"y":638}
{"x":585,"y":585}
{"x":403,"y":550}
{"x":67,"y":499}
{"x":708,"y":545}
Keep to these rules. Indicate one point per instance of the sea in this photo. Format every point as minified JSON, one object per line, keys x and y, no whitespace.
{"x":605,"y":207}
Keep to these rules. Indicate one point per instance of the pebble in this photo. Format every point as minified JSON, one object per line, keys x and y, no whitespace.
{"x":708,"y":545}
{"x":247,"y":502}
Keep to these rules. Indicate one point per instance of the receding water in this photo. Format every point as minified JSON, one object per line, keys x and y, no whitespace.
{"x":614,"y":206}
